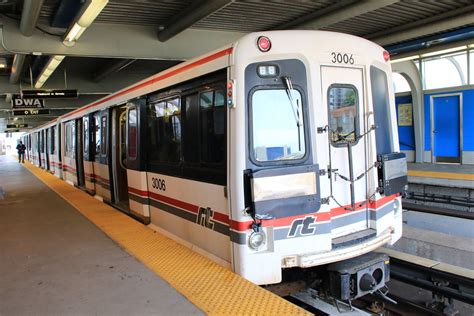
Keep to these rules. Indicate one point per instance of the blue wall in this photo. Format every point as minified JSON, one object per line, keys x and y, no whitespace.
{"x":406,"y":134}
{"x":467,"y":116}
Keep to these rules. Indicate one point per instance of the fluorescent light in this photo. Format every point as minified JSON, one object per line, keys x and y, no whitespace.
{"x":90,"y":11}
{"x":71,"y":35}
{"x":404,"y":59}
{"x":48,"y":69}
{"x":3,"y":66}
{"x":93,"y":9}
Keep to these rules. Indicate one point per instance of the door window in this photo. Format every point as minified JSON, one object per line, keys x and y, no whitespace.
{"x":132,"y":133}
{"x":342,"y":101}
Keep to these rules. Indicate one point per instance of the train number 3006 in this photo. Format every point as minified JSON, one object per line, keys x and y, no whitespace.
{"x":342,"y":58}
{"x":158,"y":184}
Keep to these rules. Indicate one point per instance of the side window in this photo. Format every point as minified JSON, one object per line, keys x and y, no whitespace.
{"x":73,"y":139}
{"x":381,"y":105}
{"x":103,"y":134}
{"x":212,"y":118}
{"x":96,"y":134}
{"x":51,"y":141}
{"x":343,"y":127}
{"x":85,"y":135}
{"x":191,"y":129}
{"x":164,"y":131}
{"x":132,"y":133}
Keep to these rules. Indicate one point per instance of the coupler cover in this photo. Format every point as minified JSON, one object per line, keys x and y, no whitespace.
{"x":356,"y":277}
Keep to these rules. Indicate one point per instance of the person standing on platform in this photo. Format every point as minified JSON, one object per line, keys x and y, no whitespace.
{"x":21,"y":152}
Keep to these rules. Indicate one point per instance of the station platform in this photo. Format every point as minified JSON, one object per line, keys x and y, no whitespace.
{"x":449,"y":175}
{"x":64,"y":252}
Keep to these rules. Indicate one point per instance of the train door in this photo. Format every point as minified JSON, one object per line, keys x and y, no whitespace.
{"x":446,"y":128}
{"x":343,"y":95}
{"x":79,"y":154}
{"x":119,"y":171}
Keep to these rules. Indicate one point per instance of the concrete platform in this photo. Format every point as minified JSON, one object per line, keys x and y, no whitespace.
{"x":53,"y":261}
{"x":439,"y":174}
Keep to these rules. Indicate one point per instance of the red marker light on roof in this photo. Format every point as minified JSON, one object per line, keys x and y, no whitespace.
{"x":386,"y":55}
{"x":264,"y":44}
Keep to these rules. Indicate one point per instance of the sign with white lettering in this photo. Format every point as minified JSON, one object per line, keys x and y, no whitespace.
{"x":49,"y":94}
{"x":30,"y":112}
{"x":19,"y":103}
{"x":17,"y":125}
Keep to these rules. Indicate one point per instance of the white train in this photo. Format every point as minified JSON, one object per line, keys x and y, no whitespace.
{"x":279,"y":150}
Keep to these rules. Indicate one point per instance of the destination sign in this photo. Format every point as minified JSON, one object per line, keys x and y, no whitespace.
{"x":29,"y":112}
{"x":19,"y":103}
{"x":17,"y":125}
{"x":49,"y":94}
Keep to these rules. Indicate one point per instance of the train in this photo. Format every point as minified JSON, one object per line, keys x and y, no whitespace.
{"x":277,"y":151}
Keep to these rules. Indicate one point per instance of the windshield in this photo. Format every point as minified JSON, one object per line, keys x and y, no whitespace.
{"x":276,"y":135}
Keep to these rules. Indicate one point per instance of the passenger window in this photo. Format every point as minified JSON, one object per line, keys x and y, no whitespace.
{"x":52,"y":133}
{"x":276,"y":130}
{"x":164,"y":124}
{"x":132,"y":134}
{"x":212,"y":120}
{"x":381,"y":105}
{"x":342,"y":114}
{"x":96,"y":134}
{"x":191,"y":129}
{"x":86,"y":135}
{"x":103,"y":136}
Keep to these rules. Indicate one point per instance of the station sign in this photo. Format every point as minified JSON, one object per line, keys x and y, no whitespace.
{"x":17,"y":125}
{"x":19,"y":103}
{"x":30,"y":112}
{"x":49,"y":94}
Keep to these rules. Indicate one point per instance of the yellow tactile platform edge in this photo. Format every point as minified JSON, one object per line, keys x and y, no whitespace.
{"x":211,"y":287}
{"x":441,"y":175}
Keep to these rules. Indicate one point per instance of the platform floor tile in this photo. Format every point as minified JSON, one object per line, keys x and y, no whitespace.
{"x":211,"y":287}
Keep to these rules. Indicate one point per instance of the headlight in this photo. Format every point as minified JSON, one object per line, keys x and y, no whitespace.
{"x":257,"y":239}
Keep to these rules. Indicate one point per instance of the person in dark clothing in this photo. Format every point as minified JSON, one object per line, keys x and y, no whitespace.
{"x":20,"y":148}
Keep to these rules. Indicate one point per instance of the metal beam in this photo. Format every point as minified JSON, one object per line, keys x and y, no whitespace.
{"x":117,"y":41}
{"x":110,"y":68}
{"x":345,"y":13}
{"x":190,"y":16}
{"x":316,"y":14}
{"x":29,"y":16}
{"x":17,"y":68}
{"x":416,"y":30}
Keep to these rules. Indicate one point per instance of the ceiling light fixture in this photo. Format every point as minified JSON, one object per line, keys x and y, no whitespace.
{"x":89,"y":12}
{"x":48,"y":69}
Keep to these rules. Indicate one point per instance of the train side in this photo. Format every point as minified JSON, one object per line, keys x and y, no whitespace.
{"x":280,"y":150}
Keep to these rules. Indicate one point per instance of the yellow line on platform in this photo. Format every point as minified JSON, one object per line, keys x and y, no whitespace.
{"x":211,"y":287}
{"x":441,"y":175}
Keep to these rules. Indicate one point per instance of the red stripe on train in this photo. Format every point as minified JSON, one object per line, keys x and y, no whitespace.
{"x":280,"y":222}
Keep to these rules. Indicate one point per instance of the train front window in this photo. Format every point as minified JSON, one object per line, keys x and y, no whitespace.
{"x":342,"y":114}
{"x":277,"y":129}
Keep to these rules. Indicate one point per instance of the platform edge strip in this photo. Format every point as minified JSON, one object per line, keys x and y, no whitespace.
{"x":212,"y":288}
{"x":441,"y":175}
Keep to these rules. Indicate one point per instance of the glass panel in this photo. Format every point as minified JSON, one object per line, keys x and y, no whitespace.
{"x":191,"y":129}
{"x":132,"y":133}
{"x":103,"y":135}
{"x":381,"y":105}
{"x":400,"y":83}
{"x":164,"y":130}
{"x":275,"y":131}
{"x":97,"y":134}
{"x":342,"y":114}
{"x":206,"y":99}
{"x":213,"y":140}
{"x":471,"y":67}
{"x":219,"y":98}
{"x":445,"y":71}
{"x":86,"y":136}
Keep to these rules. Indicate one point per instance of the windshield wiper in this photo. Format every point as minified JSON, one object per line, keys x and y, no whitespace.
{"x":294,"y":107}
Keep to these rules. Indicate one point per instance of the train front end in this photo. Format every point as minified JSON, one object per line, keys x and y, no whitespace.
{"x":315,"y":173}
